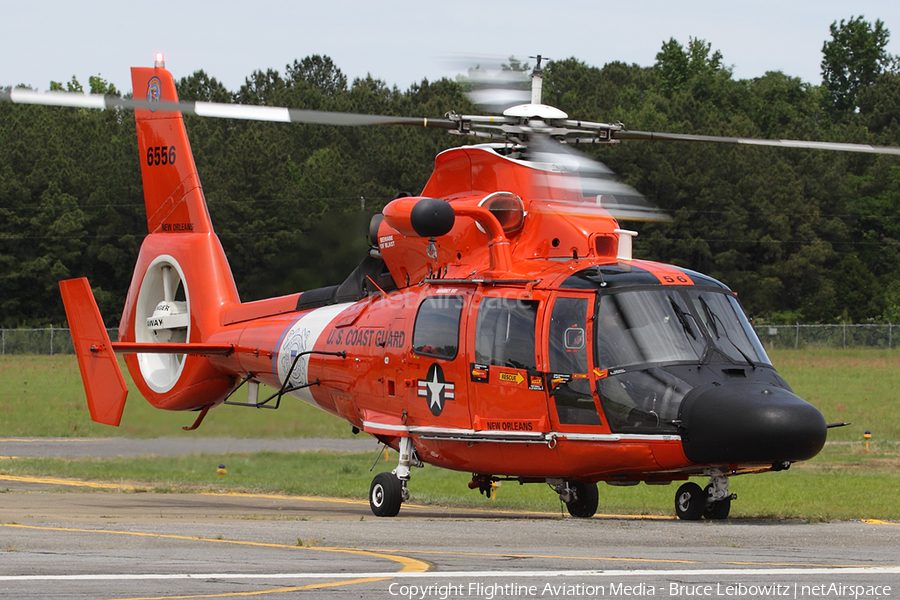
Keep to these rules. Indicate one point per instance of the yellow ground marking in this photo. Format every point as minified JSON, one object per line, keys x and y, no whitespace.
{"x":410,"y":565}
{"x":127,"y":487}
{"x":53,"y":440}
{"x":8,"y":457}
{"x":312,"y":586}
{"x":879,"y":522}
{"x":72,"y":482}
{"x":634,"y":560}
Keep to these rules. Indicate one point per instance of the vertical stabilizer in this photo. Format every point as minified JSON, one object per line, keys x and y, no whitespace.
{"x":100,"y":373}
{"x":172,"y":192}
{"x":182,"y":282}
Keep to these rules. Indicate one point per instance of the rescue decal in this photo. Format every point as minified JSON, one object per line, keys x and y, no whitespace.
{"x":508,"y":377}
{"x":436,"y":390}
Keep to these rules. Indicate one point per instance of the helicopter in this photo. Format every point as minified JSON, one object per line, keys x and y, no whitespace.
{"x":499,"y":325}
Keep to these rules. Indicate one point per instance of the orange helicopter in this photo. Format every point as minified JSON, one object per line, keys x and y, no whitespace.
{"x":499,"y":325}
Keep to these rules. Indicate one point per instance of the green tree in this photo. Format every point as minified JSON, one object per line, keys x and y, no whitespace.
{"x":98,"y":85}
{"x":853,"y":59}
{"x":677,"y":65}
{"x":318,"y":72}
{"x":200,"y":87}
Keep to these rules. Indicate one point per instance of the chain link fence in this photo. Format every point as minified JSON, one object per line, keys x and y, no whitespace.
{"x":50,"y":340}
{"x":827,"y":336}
{"x":58,"y":340}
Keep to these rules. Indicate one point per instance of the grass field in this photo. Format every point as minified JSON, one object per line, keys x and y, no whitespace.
{"x":839,"y":484}
{"x":42,"y":396}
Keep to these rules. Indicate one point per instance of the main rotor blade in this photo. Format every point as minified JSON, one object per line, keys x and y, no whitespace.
{"x":596,"y":180}
{"x":683,"y":137}
{"x":246,"y":112}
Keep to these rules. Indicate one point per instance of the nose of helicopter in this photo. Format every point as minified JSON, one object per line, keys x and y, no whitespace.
{"x":750,"y":423}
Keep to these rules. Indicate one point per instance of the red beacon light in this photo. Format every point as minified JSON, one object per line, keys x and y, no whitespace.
{"x":160,"y":61}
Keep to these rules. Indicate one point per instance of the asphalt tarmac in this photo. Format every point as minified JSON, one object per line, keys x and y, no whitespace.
{"x":73,"y":539}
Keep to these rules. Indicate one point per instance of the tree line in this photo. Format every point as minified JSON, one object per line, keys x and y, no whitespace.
{"x":801,"y":235}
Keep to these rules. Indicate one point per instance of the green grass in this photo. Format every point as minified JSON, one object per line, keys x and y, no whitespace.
{"x":42,"y":396}
{"x":839,"y":484}
{"x":859,"y":386}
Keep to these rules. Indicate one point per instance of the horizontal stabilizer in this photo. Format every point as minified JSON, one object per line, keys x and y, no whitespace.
{"x":103,"y":381}
{"x":175,"y":348}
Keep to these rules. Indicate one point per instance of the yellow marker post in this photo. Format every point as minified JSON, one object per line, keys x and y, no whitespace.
{"x":867,"y":436}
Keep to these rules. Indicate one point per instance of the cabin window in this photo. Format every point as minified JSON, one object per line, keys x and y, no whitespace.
{"x":436,"y":331}
{"x":570,"y":385}
{"x":505,"y":333}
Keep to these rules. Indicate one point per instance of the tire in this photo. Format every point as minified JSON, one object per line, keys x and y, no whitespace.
{"x":385,"y":495}
{"x":584,"y":506}
{"x":690,"y":502}
{"x":717,"y":510}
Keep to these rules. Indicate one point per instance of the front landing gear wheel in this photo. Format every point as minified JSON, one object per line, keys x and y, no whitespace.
{"x":690,"y":502}
{"x":385,"y":495}
{"x":586,"y":498}
{"x":718,"y":509}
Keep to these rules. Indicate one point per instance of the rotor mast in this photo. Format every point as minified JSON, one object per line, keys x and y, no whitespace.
{"x":537,"y":81}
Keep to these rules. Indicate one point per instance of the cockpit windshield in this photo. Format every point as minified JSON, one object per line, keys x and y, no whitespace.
{"x":641,"y":334}
{"x":674,"y":324}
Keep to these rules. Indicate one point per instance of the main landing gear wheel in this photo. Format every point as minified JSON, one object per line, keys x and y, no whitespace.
{"x":718,"y":509}
{"x":385,"y":495}
{"x":690,"y":502}
{"x":583,"y":499}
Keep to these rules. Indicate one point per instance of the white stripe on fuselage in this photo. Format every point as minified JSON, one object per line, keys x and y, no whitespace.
{"x":301,"y":337}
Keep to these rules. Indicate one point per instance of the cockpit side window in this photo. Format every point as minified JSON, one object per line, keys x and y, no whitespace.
{"x":505,"y":333}
{"x":569,"y":382}
{"x":436,"y":331}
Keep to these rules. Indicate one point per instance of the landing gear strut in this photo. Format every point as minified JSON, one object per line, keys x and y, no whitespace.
{"x":388,"y":490}
{"x":714,"y":502}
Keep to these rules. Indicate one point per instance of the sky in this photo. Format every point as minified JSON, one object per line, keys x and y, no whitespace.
{"x":402,"y":42}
